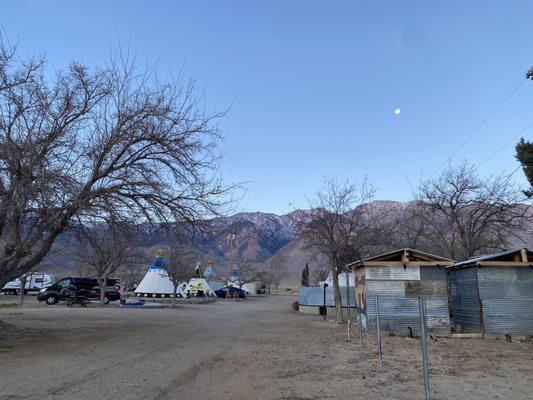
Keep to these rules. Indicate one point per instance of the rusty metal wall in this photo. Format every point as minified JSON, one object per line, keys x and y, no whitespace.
{"x":314,"y":296}
{"x":398,"y":298}
{"x":465,"y":310}
{"x":398,"y":314}
{"x":506,"y":293}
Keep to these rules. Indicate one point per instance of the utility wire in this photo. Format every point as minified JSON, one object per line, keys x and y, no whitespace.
{"x":507,"y":143}
{"x":476,"y":130}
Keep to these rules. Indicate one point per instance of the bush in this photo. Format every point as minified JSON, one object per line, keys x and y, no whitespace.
{"x":295,"y":306}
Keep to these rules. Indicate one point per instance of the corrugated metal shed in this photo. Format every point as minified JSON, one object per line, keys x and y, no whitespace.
{"x":398,"y":314}
{"x":494,"y":294}
{"x":465,"y":308}
{"x":399,"y":278}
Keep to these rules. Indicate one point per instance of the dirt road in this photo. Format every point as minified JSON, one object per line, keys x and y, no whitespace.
{"x":256,"y":349}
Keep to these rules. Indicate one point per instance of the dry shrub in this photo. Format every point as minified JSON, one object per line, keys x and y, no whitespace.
{"x":295,"y":306}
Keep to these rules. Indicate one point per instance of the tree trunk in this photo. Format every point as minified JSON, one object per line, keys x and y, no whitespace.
{"x":347,"y":275}
{"x":174,"y":295}
{"x":22,"y":280}
{"x":337,"y":297}
{"x":102,"y":282}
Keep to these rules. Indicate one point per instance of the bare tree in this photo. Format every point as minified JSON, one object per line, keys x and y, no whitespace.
{"x":179,"y":266}
{"x":111,"y":143}
{"x":337,"y":220}
{"x":464,"y":215}
{"x":238,"y":273}
{"x":272,"y":272}
{"x":131,"y":275}
{"x":105,"y":249}
{"x":322,"y":274}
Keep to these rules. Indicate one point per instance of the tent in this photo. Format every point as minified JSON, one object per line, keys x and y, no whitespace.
{"x":197,"y":285}
{"x":249,"y":288}
{"x":342,"y":280}
{"x":157,"y":284}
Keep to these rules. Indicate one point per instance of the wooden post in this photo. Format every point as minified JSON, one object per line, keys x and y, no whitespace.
{"x":523,"y":253}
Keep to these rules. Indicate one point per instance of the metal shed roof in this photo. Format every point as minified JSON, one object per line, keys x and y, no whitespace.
{"x":493,"y":256}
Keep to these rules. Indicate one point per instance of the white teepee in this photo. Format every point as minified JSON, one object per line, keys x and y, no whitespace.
{"x":157,"y":284}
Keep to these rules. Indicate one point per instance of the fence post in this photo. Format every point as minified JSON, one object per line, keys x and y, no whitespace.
{"x":325,"y":308}
{"x":378,"y":332}
{"x":423,"y":337}
{"x":360,"y":324}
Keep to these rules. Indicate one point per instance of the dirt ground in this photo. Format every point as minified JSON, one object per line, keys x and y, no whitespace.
{"x":253,"y":349}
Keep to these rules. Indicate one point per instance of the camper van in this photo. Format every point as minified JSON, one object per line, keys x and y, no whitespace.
{"x":35,"y":282}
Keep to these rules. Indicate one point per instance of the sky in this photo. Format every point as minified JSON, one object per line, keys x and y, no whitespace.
{"x":311,"y":86}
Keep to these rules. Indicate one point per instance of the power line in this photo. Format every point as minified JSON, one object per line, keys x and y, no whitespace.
{"x":507,"y":143}
{"x":476,"y":130}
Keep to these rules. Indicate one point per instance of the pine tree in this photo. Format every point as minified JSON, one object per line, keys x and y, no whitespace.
{"x":524,"y":154}
{"x":305,"y":275}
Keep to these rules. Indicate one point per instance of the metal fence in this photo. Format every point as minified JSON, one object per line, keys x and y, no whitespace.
{"x":314,"y":296}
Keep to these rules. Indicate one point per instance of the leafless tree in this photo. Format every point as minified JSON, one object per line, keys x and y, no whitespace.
{"x":336,"y":223}
{"x":271,"y":273}
{"x":111,"y":143}
{"x":464,"y":215}
{"x":238,"y":273}
{"x":322,"y":274}
{"x":105,"y":249}
{"x":179,"y":265}
{"x":131,"y":275}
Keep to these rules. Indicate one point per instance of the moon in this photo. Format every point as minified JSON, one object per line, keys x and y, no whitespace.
{"x":397,"y":111}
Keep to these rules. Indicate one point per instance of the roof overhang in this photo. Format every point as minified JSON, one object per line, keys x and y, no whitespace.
{"x":403,"y":257}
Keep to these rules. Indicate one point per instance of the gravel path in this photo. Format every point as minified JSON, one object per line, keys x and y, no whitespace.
{"x":256,"y":349}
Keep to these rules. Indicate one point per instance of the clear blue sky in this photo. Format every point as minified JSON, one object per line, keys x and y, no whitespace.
{"x":314,"y":84}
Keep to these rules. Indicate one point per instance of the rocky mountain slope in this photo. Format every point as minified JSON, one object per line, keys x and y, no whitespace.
{"x":251,"y":236}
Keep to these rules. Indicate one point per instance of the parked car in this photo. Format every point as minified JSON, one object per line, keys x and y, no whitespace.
{"x":85,"y":287}
{"x":34,"y":282}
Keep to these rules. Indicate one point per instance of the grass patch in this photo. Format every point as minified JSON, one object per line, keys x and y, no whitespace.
{"x":5,"y":305}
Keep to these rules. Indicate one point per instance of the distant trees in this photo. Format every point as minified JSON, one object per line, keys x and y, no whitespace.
{"x":459,"y":214}
{"x":336,"y":225}
{"x":524,"y":155}
{"x":271,"y":273}
{"x":111,"y":143}
{"x":179,"y":265}
{"x":240,"y":272}
{"x":105,"y":249}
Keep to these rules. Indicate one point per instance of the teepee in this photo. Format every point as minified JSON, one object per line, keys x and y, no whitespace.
{"x":156,"y":283}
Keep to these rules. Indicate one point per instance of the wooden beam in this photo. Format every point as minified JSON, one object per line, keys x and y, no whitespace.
{"x":504,"y":263}
{"x":400,"y":263}
{"x":523,"y":253}
{"x":405,"y":258}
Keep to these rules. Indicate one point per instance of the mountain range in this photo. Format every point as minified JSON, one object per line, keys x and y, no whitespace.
{"x":252,"y":236}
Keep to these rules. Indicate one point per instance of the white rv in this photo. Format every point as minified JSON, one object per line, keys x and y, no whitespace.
{"x":35,"y":282}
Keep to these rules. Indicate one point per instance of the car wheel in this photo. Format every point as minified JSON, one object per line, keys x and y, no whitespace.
{"x":51,"y":299}
{"x":106,"y":300}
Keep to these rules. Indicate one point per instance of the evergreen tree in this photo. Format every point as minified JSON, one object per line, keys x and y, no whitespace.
{"x":305,"y":275}
{"x":524,"y":154}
